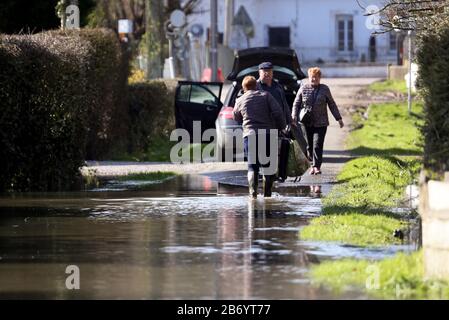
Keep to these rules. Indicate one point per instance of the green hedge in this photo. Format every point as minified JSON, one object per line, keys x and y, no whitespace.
{"x":151,"y":112}
{"x":61,"y":93}
{"x":433,"y":60}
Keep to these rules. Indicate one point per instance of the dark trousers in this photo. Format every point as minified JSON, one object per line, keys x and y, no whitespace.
{"x":315,"y":142}
{"x":253,"y":144}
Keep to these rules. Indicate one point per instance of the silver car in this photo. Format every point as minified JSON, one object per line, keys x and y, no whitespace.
{"x":286,"y":71}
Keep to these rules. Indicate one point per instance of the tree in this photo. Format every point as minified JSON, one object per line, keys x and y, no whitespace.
{"x":429,"y":19}
{"x":108,"y":12}
{"x":152,"y":44}
{"x":27,"y":16}
{"x":416,"y":15}
{"x":35,"y":16}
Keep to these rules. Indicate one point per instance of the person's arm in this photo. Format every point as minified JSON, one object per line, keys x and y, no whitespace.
{"x":285,"y":106}
{"x":236,"y":113}
{"x":333,"y":107}
{"x":297,"y":105}
{"x":276,"y":112}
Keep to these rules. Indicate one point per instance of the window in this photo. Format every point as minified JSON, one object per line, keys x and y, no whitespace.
{"x":279,"y":37}
{"x":276,"y":69}
{"x":345,"y":33}
{"x":393,"y":41}
{"x":220,"y":36}
{"x":203,"y":94}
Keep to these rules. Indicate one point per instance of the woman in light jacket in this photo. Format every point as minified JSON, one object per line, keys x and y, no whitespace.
{"x":317,"y":97}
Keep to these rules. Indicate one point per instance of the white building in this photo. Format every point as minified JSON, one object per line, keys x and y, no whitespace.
{"x":319,"y":30}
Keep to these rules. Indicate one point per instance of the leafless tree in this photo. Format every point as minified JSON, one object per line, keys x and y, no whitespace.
{"x":417,"y":15}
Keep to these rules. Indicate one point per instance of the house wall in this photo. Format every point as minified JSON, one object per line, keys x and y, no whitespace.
{"x":313,"y":27}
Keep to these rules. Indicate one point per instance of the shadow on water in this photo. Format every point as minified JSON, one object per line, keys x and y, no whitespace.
{"x":188,"y":238}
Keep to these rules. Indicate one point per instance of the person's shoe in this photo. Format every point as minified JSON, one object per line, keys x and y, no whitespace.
{"x":317,"y":171}
{"x":267,"y":185}
{"x":280,"y":179}
{"x":312,"y":171}
{"x":253,"y":182}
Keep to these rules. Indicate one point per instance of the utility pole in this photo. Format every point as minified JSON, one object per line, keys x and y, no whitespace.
{"x":213,"y":39}
{"x":228,"y":22}
{"x":409,"y":91}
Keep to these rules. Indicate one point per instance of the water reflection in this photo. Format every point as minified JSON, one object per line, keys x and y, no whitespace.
{"x":149,"y":245}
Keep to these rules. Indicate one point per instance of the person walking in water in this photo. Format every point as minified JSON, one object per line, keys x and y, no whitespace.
{"x":259,"y":113}
{"x":314,"y":98}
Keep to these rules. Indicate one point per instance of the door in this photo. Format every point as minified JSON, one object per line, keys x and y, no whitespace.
{"x":372,"y":49}
{"x":197,"y":101}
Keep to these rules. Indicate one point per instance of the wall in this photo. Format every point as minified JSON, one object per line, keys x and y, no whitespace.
{"x":434,"y":210}
{"x":312,"y":26}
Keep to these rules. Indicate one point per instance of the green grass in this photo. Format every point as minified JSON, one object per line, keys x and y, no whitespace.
{"x":355,"y":229}
{"x":158,"y":151}
{"x":147,"y":176}
{"x":371,"y":184}
{"x":400,"y":277}
{"x":358,"y":210}
{"x":397,"y":86}
{"x":389,"y":130}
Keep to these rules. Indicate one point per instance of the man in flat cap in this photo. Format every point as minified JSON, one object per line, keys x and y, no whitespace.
{"x":266,"y":83}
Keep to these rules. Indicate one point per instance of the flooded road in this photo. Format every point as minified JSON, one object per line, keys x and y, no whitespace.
{"x":188,"y":238}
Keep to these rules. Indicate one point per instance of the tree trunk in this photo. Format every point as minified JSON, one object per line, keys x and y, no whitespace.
{"x":153,"y":25}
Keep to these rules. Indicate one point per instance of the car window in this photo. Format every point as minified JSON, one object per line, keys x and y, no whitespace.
{"x":201,"y":94}
{"x":255,"y":69}
{"x":184,"y":93}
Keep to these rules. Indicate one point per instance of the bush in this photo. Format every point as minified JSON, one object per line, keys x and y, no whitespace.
{"x":57,"y":90}
{"x":151,"y":112}
{"x":433,"y":60}
{"x":108,"y":116}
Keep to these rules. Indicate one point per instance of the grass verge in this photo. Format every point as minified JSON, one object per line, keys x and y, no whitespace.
{"x":358,"y":211}
{"x":147,"y":176}
{"x":389,"y":130}
{"x":396,"y":86}
{"x":159,"y":151}
{"x":400,"y":277}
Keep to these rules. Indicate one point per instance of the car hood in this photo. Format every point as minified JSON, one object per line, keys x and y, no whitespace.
{"x":282,"y":57}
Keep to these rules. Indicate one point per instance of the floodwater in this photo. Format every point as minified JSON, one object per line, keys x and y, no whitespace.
{"x":187,"y":238}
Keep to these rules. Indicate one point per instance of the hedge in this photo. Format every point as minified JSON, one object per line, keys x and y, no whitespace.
{"x":433,"y":61}
{"x":151,"y":112}
{"x":61,"y":94}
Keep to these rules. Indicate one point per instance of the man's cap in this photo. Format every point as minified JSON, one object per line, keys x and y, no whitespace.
{"x":265,"y":65}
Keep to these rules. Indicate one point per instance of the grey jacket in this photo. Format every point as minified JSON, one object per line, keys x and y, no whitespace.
{"x":258,"y":110}
{"x":304,"y":97}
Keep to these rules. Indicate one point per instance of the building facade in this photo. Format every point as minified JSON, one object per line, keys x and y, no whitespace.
{"x":320,"y":31}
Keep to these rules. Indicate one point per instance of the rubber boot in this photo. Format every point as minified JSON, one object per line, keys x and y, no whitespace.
{"x":267,"y":185}
{"x":253,"y":180}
